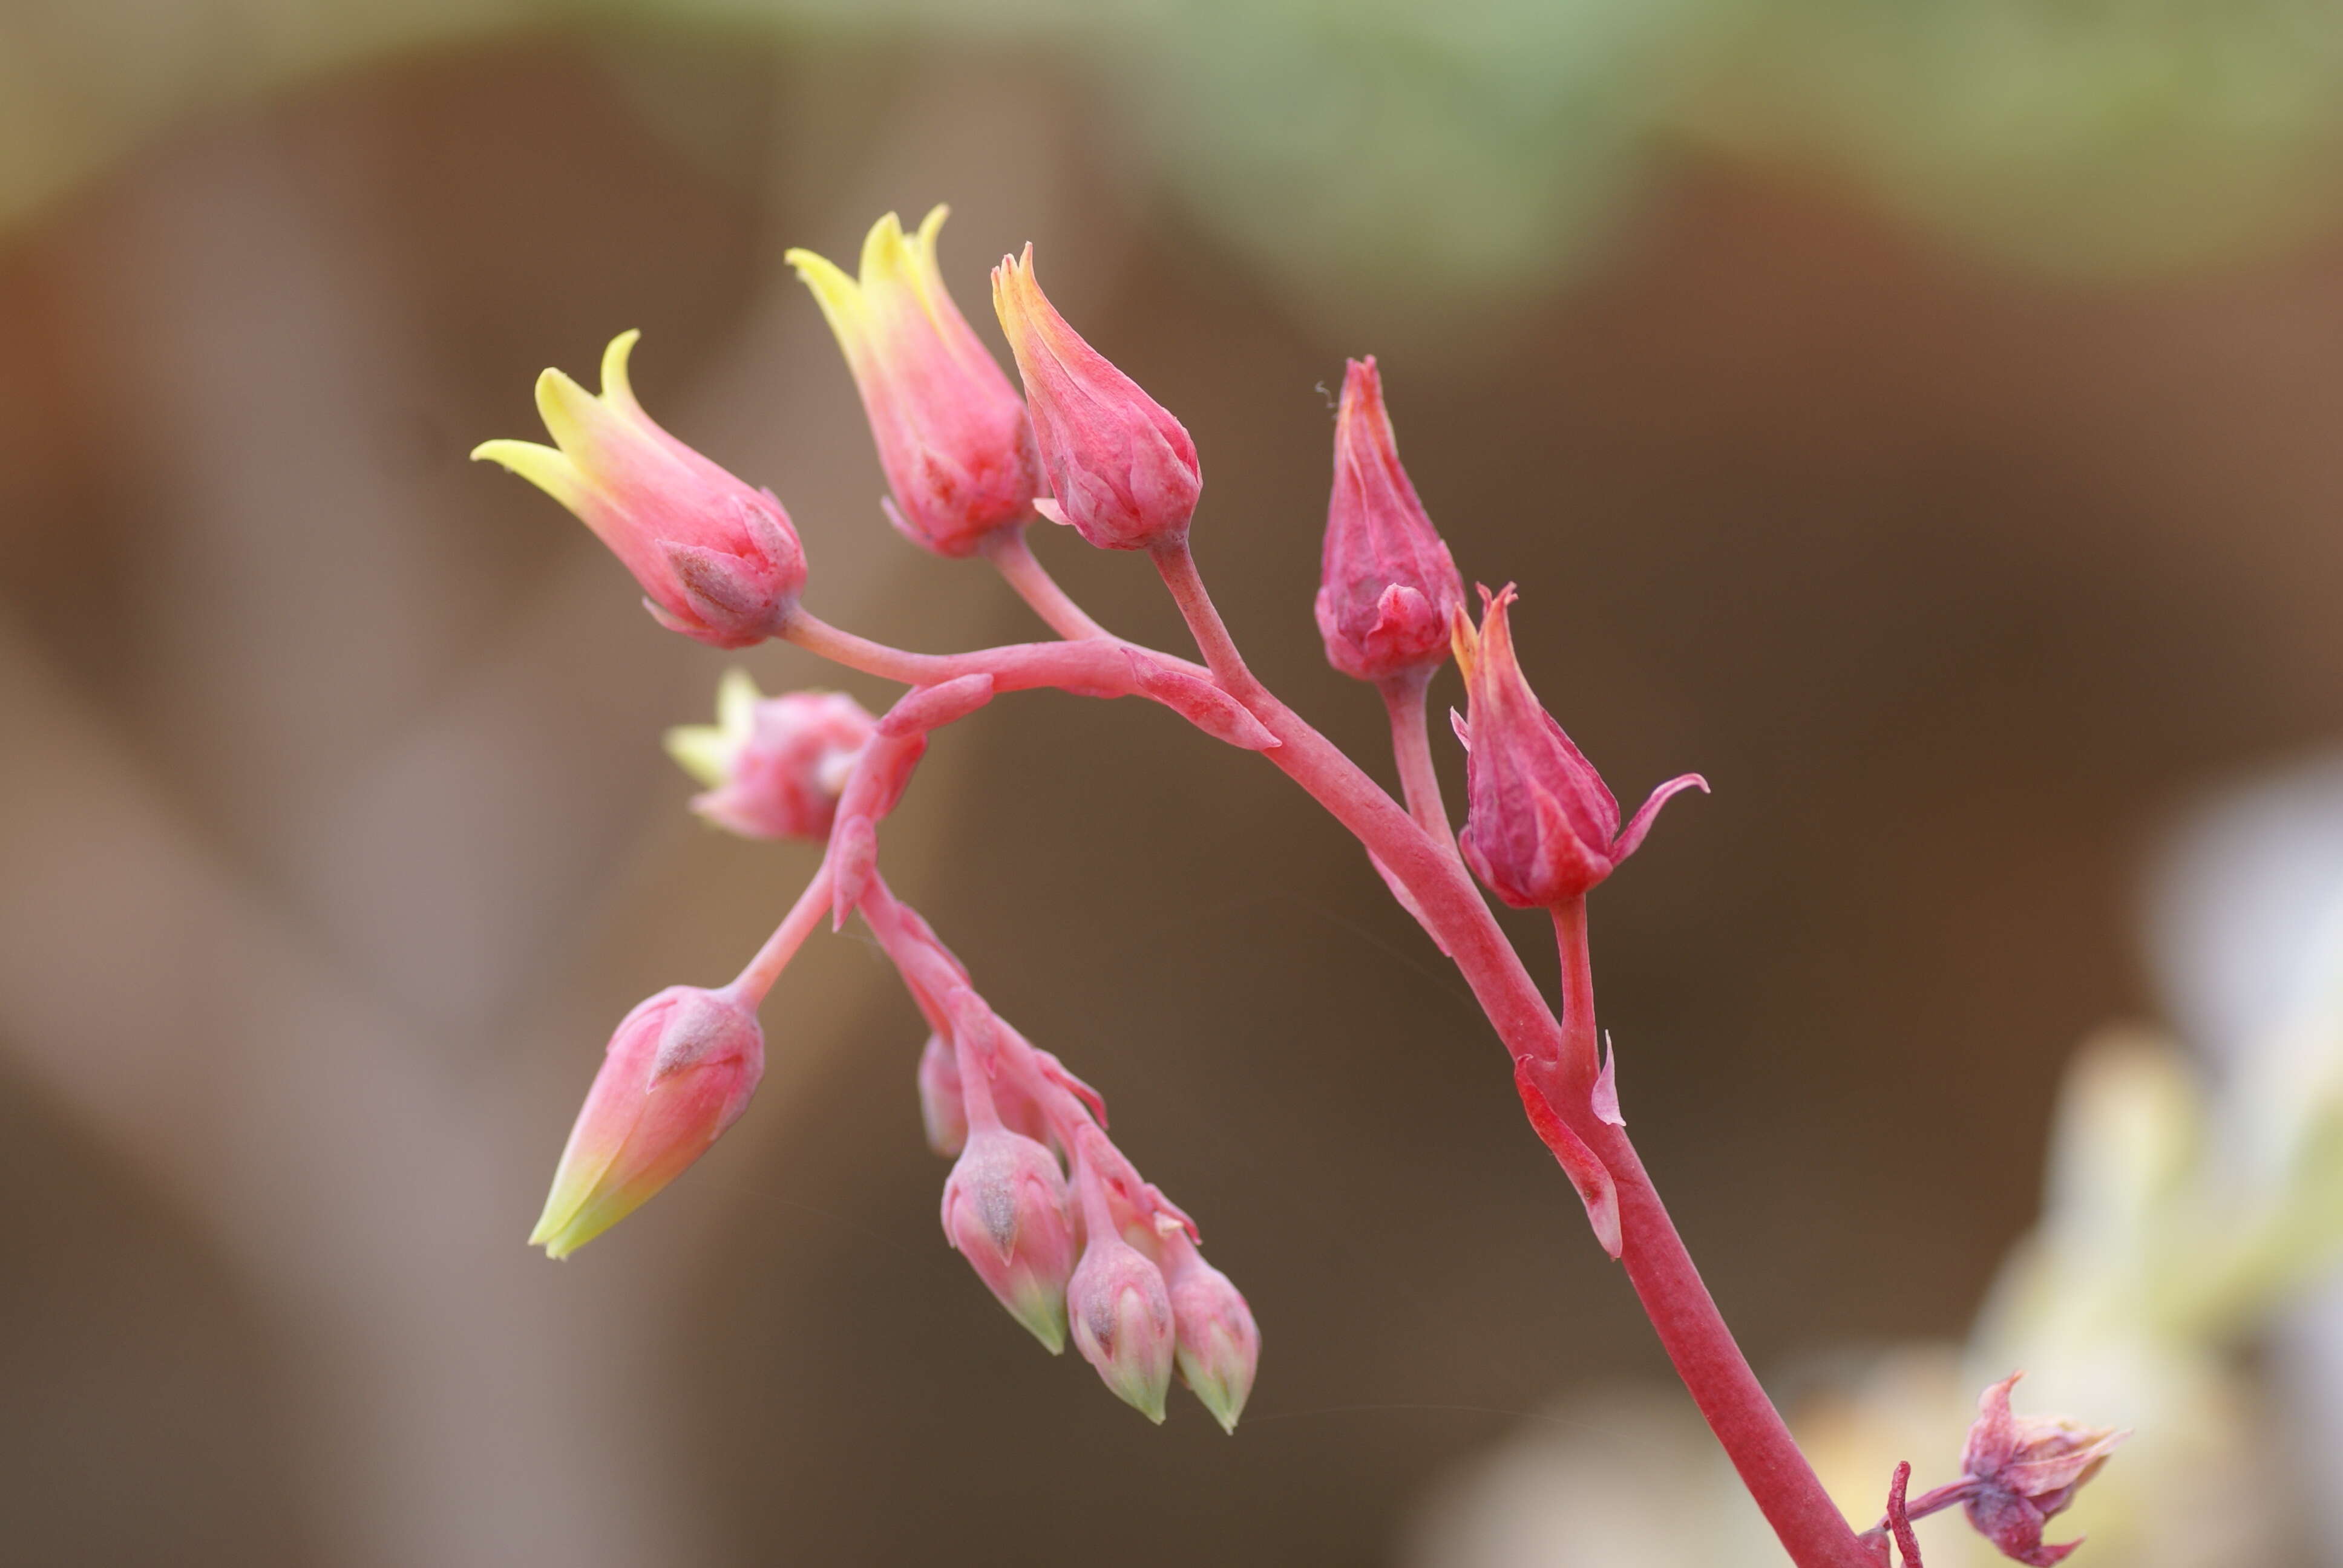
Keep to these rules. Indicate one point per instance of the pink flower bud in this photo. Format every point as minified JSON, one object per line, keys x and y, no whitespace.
{"x":1124,"y":471}
{"x":1123,"y":1321}
{"x":1005,"y":1210}
{"x":941,"y":1110}
{"x":1542,"y":828}
{"x":678,"y":1072}
{"x":952,"y":432}
{"x":717,"y":561}
{"x":2023,"y":1470}
{"x":1388,"y":588}
{"x":774,"y":765}
{"x":1219,"y":1346}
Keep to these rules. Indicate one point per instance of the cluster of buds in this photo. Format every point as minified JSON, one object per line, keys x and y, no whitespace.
{"x":1052,"y":1216}
{"x":1061,"y":1226}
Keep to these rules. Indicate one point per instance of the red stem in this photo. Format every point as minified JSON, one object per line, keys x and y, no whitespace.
{"x":752,"y":982}
{"x":1011,"y":554}
{"x":1419,"y":781}
{"x":1681,"y":1310}
{"x":1674,"y":1297}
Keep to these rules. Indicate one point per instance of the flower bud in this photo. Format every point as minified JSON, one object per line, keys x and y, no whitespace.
{"x":1219,"y":1346}
{"x":716,"y":561}
{"x":678,"y":1072}
{"x":1541,"y":828}
{"x":1122,"y":1322}
{"x":952,"y":432}
{"x":1122,"y":469}
{"x":774,"y":765}
{"x":1388,"y":588}
{"x":2021,"y":1471}
{"x":1005,"y":1210}
{"x":941,"y":1110}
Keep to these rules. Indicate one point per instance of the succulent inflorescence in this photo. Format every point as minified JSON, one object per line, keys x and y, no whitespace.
{"x":1054,"y":1218}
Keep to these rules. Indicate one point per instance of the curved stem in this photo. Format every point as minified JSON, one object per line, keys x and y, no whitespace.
{"x":1419,"y":781}
{"x":1682,"y":1312}
{"x":1669,"y":1286}
{"x":1011,"y":554}
{"x":753,"y":982}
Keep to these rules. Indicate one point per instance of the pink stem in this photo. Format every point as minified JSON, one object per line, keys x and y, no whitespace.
{"x":1682,"y":1312}
{"x":1419,"y":781}
{"x":1674,"y":1297}
{"x":1011,"y":554}
{"x":1577,"y":986}
{"x":749,"y":988}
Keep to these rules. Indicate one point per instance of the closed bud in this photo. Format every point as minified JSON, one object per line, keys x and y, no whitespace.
{"x":774,"y":765}
{"x":941,"y":1110}
{"x":1005,"y":1210}
{"x":1123,"y":470}
{"x":952,"y":434}
{"x":678,"y":1072}
{"x":1388,"y":588}
{"x":1542,"y":828}
{"x":2019,"y":1472}
{"x":716,"y":561}
{"x":1219,"y":1346}
{"x":1122,"y":1314}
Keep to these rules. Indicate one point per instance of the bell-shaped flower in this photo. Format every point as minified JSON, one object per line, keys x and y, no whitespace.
{"x":2019,"y":1472}
{"x":1388,"y":588}
{"x":1121,"y":469}
{"x":1542,"y":828}
{"x":952,"y":432}
{"x":1218,"y":1343}
{"x":1004,"y":1209}
{"x":717,"y":559}
{"x":1123,"y":1319}
{"x":678,"y":1072}
{"x":774,"y":765}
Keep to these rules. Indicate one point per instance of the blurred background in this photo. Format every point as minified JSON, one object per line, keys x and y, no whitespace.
{"x":1919,"y":417}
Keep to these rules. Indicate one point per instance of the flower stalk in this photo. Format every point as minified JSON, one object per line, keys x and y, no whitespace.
{"x":1052,"y":1214}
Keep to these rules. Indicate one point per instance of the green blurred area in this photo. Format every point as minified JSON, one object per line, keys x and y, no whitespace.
{"x":1451,"y":155}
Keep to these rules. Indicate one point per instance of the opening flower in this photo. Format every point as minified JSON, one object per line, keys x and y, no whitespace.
{"x":774,"y":765}
{"x":952,"y":434}
{"x":716,"y":561}
{"x":1542,"y":826}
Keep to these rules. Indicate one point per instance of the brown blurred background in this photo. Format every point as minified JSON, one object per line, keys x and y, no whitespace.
{"x":334,"y":830}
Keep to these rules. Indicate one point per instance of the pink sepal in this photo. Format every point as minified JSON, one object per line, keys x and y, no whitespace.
{"x":1585,"y":1169}
{"x":1605,"y":1097}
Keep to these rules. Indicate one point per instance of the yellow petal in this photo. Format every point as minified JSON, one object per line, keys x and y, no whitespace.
{"x":886,"y":255}
{"x":927,"y":276}
{"x":616,"y":390}
{"x":1464,"y":642}
{"x":841,"y":302}
{"x":736,"y":702}
{"x":547,"y":469}
{"x":576,"y":419}
{"x":702,"y":750}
